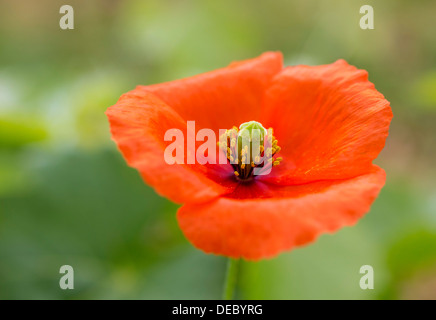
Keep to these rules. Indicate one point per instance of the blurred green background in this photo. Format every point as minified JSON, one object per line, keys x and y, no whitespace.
{"x":67,"y":197}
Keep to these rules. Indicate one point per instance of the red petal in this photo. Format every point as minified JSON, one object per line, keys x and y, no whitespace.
{"x":215,"y":100}
{"x":330,"y":122}
{"x":138,"y":123}
{"x":261,"y":228}
{"x":222,"y":98}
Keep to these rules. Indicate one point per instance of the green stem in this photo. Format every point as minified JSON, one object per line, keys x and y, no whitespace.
{"x":231,"y":279}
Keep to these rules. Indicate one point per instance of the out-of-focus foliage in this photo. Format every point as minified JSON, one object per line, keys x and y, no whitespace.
{"x":14,"y":134}
{"x":67,"y":197}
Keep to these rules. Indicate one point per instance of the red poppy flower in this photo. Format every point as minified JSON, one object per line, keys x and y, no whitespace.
{"x":331,"y":124}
